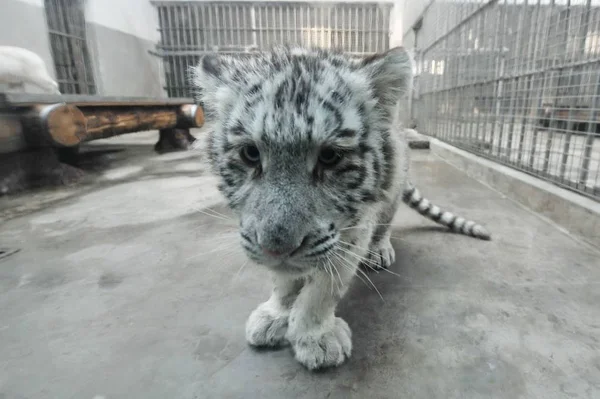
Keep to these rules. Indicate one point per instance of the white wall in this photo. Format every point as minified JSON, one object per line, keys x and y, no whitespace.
{"x":135,"y":17}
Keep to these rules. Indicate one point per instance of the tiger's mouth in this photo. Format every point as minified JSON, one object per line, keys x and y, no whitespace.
{"x":288,"y":265}
{"x":314,"y":248}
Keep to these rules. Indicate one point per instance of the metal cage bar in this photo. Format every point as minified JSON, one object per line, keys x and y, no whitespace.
{"x":516,"y":81}
{"x":67,"y":30}
{"x":188,"y":29}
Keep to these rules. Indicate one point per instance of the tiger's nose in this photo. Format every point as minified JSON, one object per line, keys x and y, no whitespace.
{"x":277,"y":251}
{"x":277,"y":247}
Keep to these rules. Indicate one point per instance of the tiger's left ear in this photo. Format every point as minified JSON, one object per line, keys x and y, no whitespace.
{"x":391,"y":75}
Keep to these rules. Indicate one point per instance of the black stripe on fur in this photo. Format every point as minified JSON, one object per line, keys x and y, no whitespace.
{"x":413,"y":198}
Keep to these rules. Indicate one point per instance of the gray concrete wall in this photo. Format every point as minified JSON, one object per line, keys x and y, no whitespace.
{"x":122,"y":64}
{"x":23,"y":24}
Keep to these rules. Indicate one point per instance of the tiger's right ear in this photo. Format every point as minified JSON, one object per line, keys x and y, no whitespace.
{"x":211,"y":64}
{"x":210,"y":78}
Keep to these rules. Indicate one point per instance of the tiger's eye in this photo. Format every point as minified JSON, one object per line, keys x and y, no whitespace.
{"x":329,"y":157}
{"x":250,"y":155}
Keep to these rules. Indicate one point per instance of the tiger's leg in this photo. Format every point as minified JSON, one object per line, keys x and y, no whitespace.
{"x":381,"y":254}
{"x":268,"y":323}
{"x":318,"y":337}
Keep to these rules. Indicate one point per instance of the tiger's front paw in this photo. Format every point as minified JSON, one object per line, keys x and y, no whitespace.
{"x":380,"y":256}
{"x":320,"y":349}
{"x":267,"y":326}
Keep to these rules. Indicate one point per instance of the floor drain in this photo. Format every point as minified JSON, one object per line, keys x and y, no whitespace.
{"x":6,"y":252}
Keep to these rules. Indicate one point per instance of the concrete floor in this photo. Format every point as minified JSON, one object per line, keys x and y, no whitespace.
{"x":126,"y":289}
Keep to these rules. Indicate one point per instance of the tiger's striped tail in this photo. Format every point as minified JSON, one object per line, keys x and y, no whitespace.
{"x":413,"y":198}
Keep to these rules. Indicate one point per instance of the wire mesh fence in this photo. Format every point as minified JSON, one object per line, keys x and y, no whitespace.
{"x":67,"y":29}
{"x":188,"y":29}
{"x":516,"y":81}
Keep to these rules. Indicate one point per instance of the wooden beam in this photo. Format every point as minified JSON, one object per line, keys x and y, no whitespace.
{"x":55,"y":124}
{"x":52,"y":122}
{"x":190,"y":115}
{"x":66,"y":125}
{"x":108,"y":122}
{"x":103,"y":122}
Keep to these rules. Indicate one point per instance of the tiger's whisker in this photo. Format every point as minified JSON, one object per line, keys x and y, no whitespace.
{"x":376,"y":254}
{"x":212,"y":215}
{"x":367,"y":277}
{"x":218,"y":213}
{"x":241,"y":268}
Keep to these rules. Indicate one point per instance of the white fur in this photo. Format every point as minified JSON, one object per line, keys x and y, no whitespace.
{"x":301,"y":309}
{"x":306,"y":319}
{"x":19,"y":66}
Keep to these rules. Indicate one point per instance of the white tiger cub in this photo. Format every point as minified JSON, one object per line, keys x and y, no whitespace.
{"x":313,"y":164}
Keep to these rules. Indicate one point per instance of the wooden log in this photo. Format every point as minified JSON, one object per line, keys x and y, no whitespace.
{"x":67,"y":125}
{"x":190,"y":115}
{"x":103,"y":122}
{"x":53,"y":125}
{"x":108,"y":122}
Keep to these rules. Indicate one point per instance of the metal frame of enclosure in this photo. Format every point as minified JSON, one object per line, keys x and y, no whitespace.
{"x":515,"y":81}
{"x":188,"y":29}
{"x":72,"y":62}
